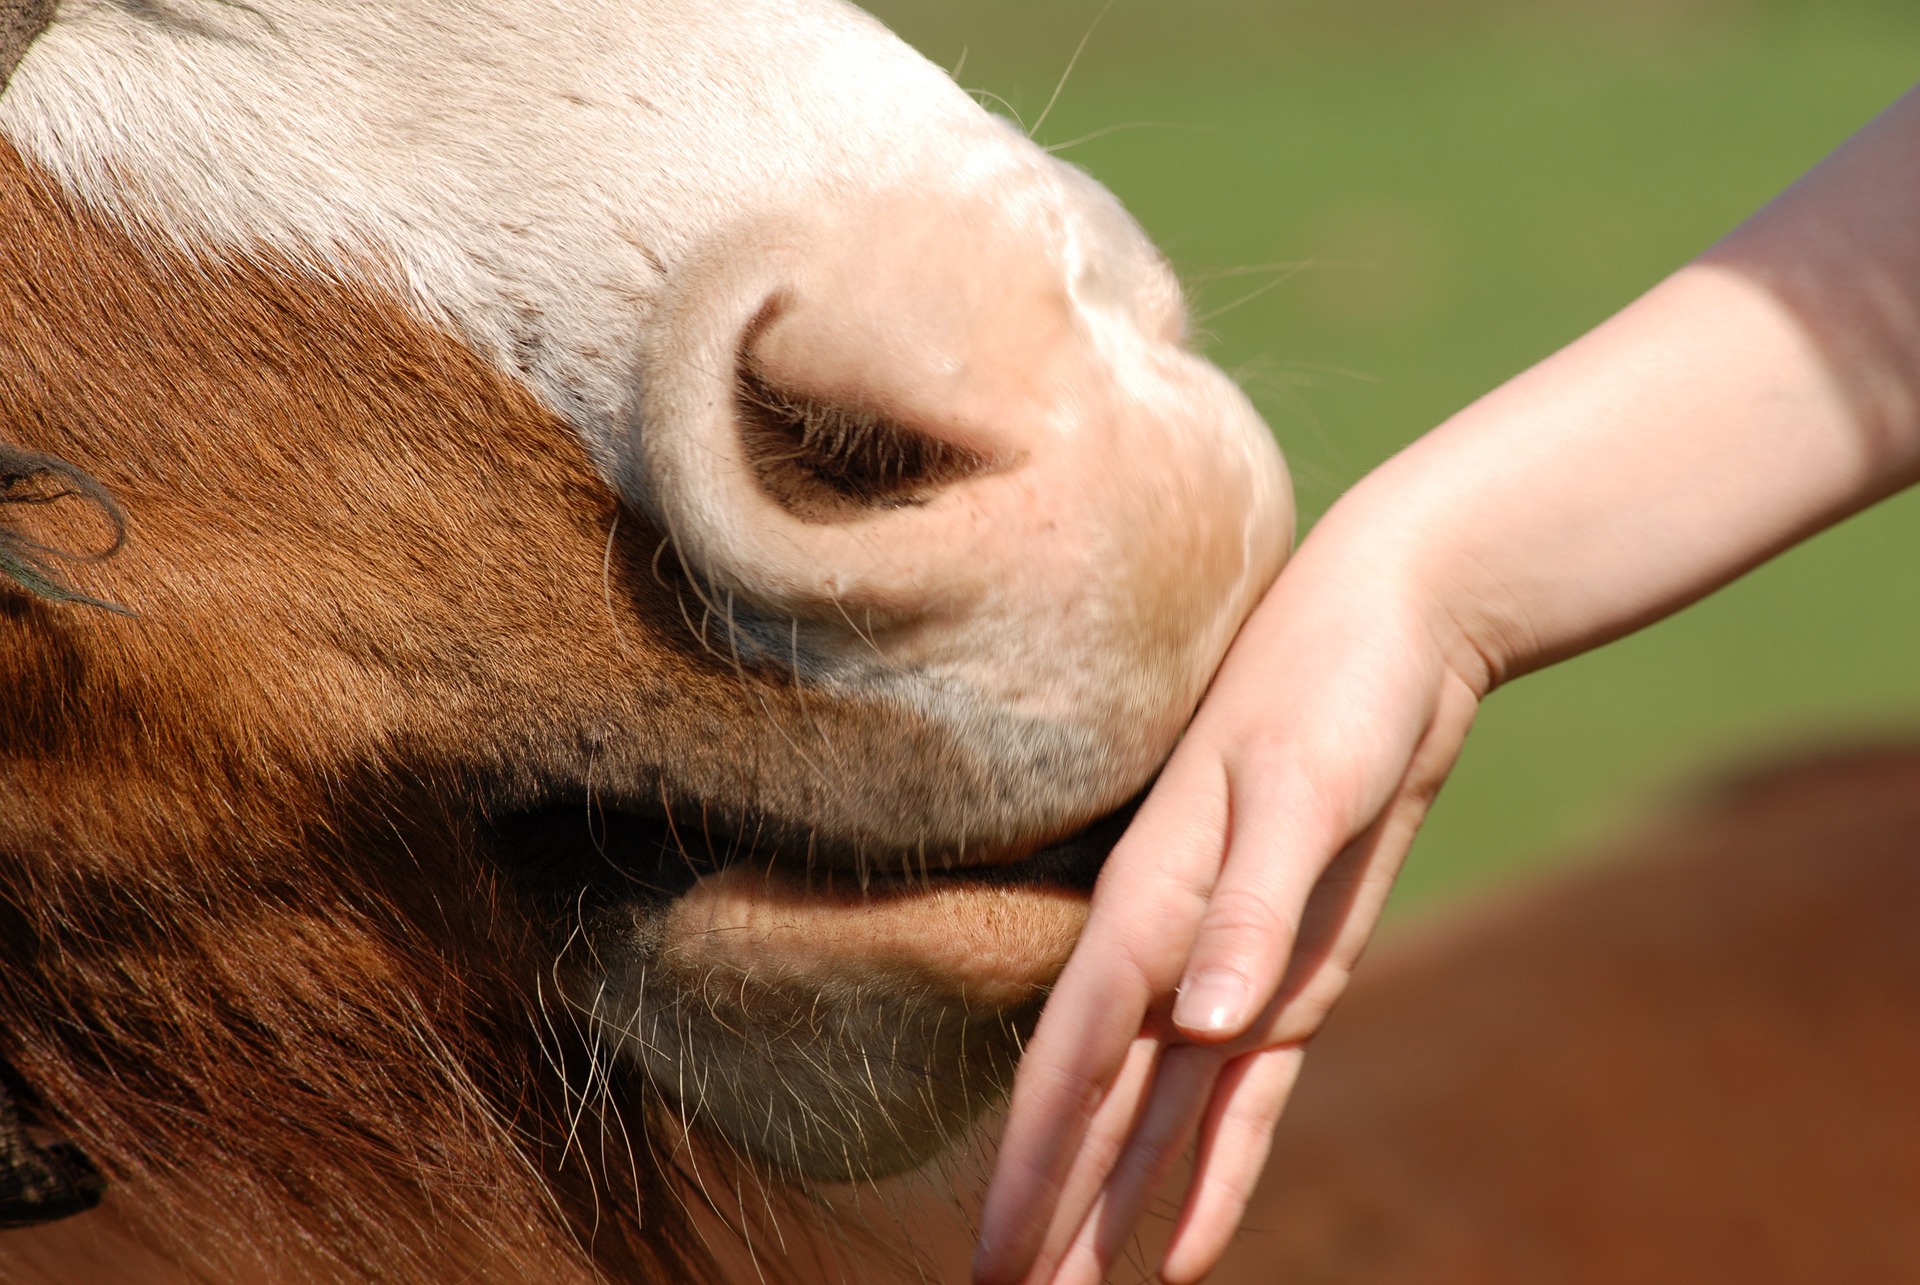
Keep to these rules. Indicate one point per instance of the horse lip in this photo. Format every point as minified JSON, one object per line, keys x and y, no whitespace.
{"x":989,"y":938}
{"x":646,"y":854}
{"x":1072,"y":862}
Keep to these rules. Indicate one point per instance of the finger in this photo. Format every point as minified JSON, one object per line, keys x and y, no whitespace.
{"x":1082,"y":1069}
{"x":1235,"y":1139}
{"x":1146,"y":909}
{"x":1335,"y":925}
{"x":1282,"y":836}
{"x":1183,"y":1085}
{"x":1105,"y":1139}
{"x":1344,"y":901}
{"x":1346,"y":904}
{"x":1299,"y":796}
{"x":1085,"y":1037}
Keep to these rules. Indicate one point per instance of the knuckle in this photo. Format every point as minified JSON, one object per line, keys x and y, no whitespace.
{"x":1322,"y":783}
{"x":1079,"y":1091}
{"x":1145,"y":960}
{"x":1245,"y":913}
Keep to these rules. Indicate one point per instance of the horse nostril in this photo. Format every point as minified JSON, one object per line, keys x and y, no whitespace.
{"x":827,"y":463}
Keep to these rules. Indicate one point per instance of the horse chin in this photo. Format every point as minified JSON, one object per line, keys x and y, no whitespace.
{"x":833,"y":1025}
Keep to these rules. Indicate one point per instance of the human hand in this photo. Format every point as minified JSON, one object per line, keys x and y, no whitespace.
{"x":1228,"y":917}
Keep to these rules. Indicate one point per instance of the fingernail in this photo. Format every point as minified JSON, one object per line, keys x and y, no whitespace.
{"x":1210,"y":1003}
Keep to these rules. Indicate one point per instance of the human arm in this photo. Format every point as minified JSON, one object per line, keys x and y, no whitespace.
{"x":1760,"y":394}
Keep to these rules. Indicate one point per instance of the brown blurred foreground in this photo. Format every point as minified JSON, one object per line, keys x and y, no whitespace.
{"x":1698,"y":1064}
{"x":1703,"y":1066}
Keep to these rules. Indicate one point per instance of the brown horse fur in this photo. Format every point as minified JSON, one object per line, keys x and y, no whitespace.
{"x":261,"y":954}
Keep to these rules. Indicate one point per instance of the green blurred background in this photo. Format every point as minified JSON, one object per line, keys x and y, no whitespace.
{"x":1386,"y":207}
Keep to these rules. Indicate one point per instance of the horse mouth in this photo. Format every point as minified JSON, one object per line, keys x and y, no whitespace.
{"x":837,"y":1022}
{"x":1071,"y":864}
{"x":993,"y":934}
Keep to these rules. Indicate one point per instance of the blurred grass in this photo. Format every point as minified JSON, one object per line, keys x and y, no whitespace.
{"x":1452,"y":189}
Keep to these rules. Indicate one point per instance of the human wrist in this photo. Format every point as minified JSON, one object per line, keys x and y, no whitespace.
{"x":1386,"y":548}
{"x":1681,"y":442}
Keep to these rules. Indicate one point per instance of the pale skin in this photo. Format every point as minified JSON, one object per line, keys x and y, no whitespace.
{"x":1762,"y":393}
